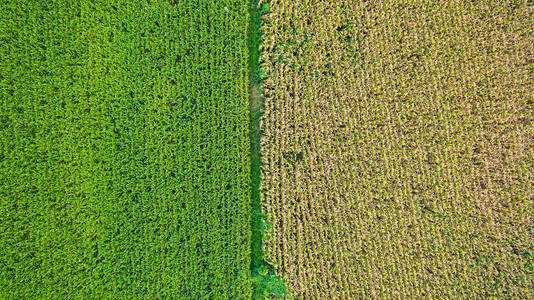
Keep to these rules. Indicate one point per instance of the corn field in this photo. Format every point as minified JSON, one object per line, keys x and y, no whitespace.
{"x":398,"y":149}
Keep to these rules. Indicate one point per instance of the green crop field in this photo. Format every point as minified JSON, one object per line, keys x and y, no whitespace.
{"x":124,"y":166}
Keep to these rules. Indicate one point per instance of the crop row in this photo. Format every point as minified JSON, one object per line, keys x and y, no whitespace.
{"x":124,"y":167}
{"x":398,"y":149}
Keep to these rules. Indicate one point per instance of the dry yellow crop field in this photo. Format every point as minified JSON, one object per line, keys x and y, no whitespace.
{"x":398,"y":148}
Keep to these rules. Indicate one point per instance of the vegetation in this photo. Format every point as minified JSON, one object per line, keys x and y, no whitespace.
{"x":398,"y":148}
{"x":124,"y":167}
{"x":393,"y":156}
{"x":266,"y":284}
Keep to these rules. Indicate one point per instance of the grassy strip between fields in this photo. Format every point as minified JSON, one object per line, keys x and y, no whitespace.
{"x":266,"y":283}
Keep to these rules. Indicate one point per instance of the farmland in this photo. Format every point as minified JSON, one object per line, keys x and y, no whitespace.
{"x":266,"y":149}
{"x":124,"y":166}
{"x":398,"y":148}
